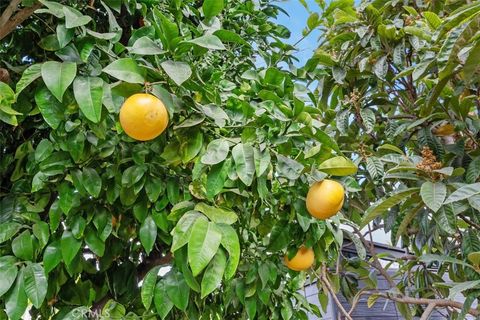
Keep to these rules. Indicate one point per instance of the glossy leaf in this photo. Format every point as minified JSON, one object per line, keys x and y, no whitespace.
{"x":69,"y":246}
{"x":148,"y":234}
{"x":218,"y":215}
{"x":16,"y":300}
{"x":231,"y":243}
{"x":163,"y":304}
{"x":243,"y":156}
{"x":58,"y":77}
{"x":35,"y":283}
{"x":89,"y":93}
{"x":125,"y":69}
{"x":212,"y":7}
{"x":203,"y":244}
{"x":148,"y":287}
{"x":214,"y":273}
{"x":22,"y":246}
{"x":8,"y":230}
{"x":52,"y":256}
{"x":8,"y":273}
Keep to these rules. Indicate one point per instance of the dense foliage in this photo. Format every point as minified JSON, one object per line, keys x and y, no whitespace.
{"x":87,"y":213}
{"x":399,"y":90}
{"x":88,"y":216}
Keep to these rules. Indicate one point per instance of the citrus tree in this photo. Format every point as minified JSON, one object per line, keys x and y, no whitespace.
{"x":112,"y":207}
{"x":155,"y":161}
{"x":397,"y":86}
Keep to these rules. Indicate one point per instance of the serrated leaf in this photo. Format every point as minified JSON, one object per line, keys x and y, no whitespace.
{"x":446,"y":220}
{"x":458,"y":288}
{"x":359,"y":247}
{"x":371,"y":300}
{"x":433,"y":194}
{"x":375,"y":167}
{"x":463,"y":193}
{"x":429,"y":258}
{"x":433,"y":19}
{"x":382,"y":205}
{"x":473,"y":171}
{"x":368,"y":117}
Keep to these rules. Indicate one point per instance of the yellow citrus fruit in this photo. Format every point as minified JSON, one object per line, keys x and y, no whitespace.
{"x":325,"y":199}
{"x":444,"y":130}
{"x":143,"y":116}
{"x":302,"y":260}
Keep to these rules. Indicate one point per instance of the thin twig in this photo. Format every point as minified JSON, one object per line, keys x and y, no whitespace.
{"x":442,"y":303}
{"x":324,"y":279}
{"x":376,"y":263}
{"x":470,"y":222}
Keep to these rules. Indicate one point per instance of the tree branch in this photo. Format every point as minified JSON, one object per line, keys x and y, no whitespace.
{"x":428,"y":311}
{"x":442,"y":303}
{"x":376,"y":263}
{"x":324,"y":279}
{"x":469,"y":222}
{"x":13,"y":22}
{"x":7,"y":13}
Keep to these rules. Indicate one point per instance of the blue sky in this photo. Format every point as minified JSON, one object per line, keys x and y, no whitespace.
{"x":296,"y":22}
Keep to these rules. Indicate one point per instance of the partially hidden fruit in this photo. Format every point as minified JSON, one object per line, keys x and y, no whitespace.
{"x":143,"y":116}
{"x":325,"y":199}
{"x":474,"y":258}
{"x":444,"y":130}
{"x":303,"y":260}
